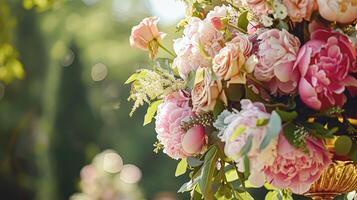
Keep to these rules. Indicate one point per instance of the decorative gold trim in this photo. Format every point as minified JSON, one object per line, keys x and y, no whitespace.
{"x":339,"y":178}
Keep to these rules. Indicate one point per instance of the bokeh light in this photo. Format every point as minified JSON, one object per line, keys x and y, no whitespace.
{"x":99,"y":72}
{"x":130,"y":174}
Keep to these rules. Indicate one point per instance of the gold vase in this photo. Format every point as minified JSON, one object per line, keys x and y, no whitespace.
{"x":339,"y":178}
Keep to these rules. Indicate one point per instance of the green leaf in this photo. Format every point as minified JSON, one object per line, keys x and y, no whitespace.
{"x":234,"y":92}
{"x":287,"y":116}
{"x":244,"y":196}
{"x":343,"y":145}
{"x":353,"y":155}
{"x":246,"y":166}
{"x":273,"y":130}
{"x":318,"y":130}
{"x":249,"y":94}
{"x":289,"y":133}
{"x":272,"y":195}
{"x":150,"y":113}
{"x":262,"y":122}
{"x":181,"y":167}
{"x":240,"y":129}
{"x":247,"y":146}
{"x":132,"y":78}
{"x":194,"y":162}
{"x":188,"y":186}
{"x":243,"y":21}
{"x":208,"y":168}
{"x":218,"y":108}
{"x":191,"y":79}
{"x":282,"y":25}
{"x":231,"y":175}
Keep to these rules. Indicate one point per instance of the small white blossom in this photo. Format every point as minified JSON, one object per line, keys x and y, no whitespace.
{"x":151,"y":85}
{"x":266,"y":20}
{"x":280,"y":11}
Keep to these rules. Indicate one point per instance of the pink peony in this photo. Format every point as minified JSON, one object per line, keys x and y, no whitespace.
{"x":337,"y":10}
{"x":296,"y":170}
{"x":246,"y":120}
{"x":201,"y":41}
{"x":203,"y":33}
{"x":145,"y":32}
{"x":277,"y":53}
{"x":189,"y":57}
{"x":300,"y":9}
{"x":170,"y":114}
{"x":325,"y":63}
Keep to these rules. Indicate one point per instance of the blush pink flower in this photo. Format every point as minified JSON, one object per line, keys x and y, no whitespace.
{"x":246,"y":121}
{"x":244,"y":44}
{"x":325,"y":63}
{"x":277,"y":53}
{"x":228,"y":62}
{"x":342,"y":11}
{"x":189,"y":57}
{"x":203,"y":33}
{"x":295,"y":169}
{"x":170,"y":114}
{"x":260,"y":7}
{"x":217,"y":23}
{"x":144,"y":33}
{"x":300,"y":9}
{"x":206,"y":92}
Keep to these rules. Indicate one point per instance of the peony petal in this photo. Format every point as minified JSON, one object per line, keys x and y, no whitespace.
{"x":308,"y":95}
{"x":283,"y":72}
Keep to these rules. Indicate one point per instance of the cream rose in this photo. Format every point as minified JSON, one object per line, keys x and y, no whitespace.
{"x":228,"y":62}
{"x":342,"y":11}
{"x":300,"y":9}
{"x":205,"y":93}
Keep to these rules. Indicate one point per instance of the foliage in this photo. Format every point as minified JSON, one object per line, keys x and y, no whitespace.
{"x":10,"y":66}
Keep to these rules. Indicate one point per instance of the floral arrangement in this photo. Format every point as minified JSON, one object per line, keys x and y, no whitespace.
{"x":253,"y":94}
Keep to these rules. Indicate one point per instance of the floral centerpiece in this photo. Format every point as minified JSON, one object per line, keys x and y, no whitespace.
{"x":252,"y":93}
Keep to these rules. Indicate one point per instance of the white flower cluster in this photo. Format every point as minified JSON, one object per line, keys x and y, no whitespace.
{"x":149,"y":85}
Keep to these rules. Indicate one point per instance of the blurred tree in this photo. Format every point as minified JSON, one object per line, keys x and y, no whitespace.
{"x":70,"y":141}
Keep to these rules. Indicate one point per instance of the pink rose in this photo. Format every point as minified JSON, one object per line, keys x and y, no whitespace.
{"x":145,"y":32}
{"x":175,"y":140}
{"x":223,"y":11}
{"x":300,"y":9}
{"x":205,"y":94}
{"x":296,"y":170}
{"x":325,"y":63}
{"x":337,"y":10}
{"x":260,"y":7}
{"x":277,"y":53}
{"x":228,"y":62}
{"x":217,"y":23}
{"x":246,"y":120}
{"x":244,"y":44}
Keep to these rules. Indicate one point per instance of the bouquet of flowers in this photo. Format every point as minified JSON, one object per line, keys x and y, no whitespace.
{"x":253,"y":93}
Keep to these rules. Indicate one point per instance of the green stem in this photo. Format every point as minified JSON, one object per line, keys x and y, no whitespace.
{"x":238,"y":28}
{"x":257,"y":82}
{"x":165,"y":49}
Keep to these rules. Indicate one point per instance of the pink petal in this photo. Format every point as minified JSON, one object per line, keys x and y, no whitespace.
{"x":308,"y":95}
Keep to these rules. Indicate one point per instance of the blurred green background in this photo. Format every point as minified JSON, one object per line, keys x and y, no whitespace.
{"x":70,"y":102}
